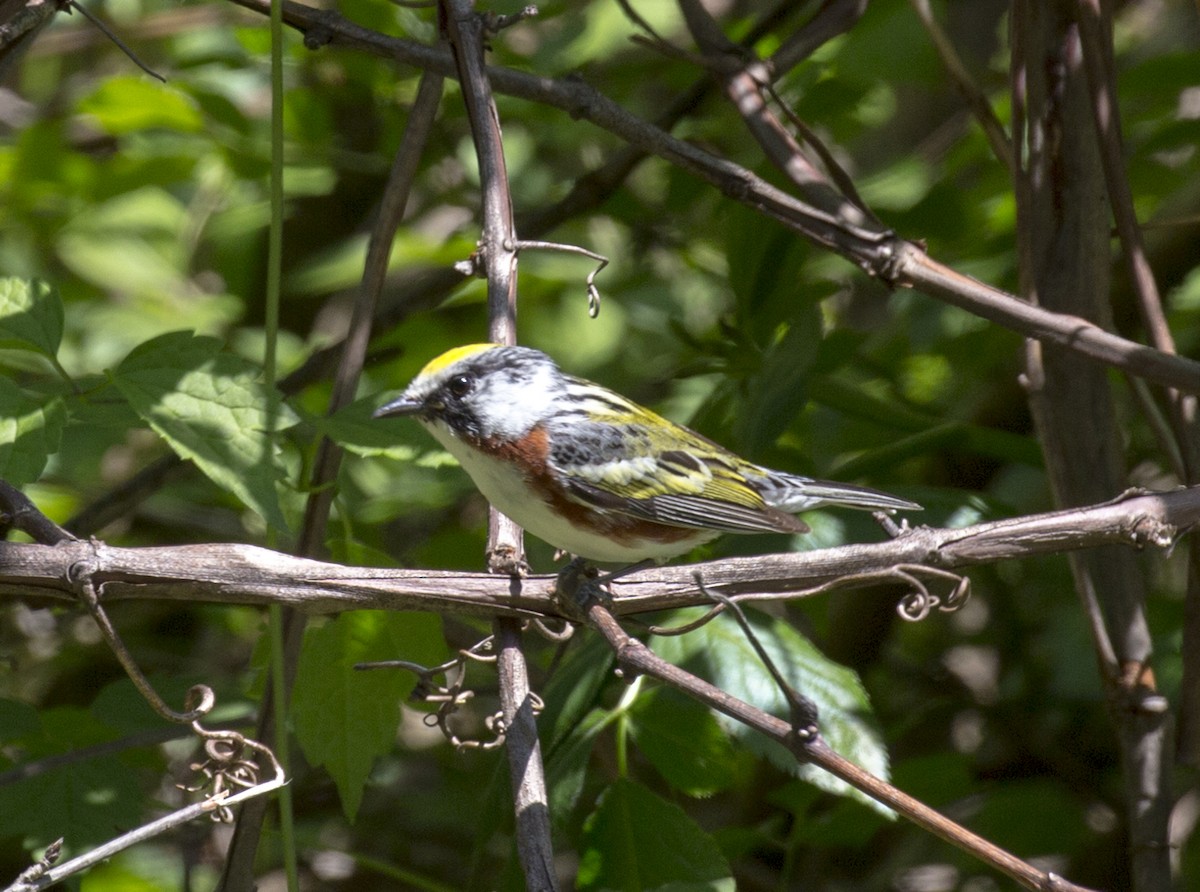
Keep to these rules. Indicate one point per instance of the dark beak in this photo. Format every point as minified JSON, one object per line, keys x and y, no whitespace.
{"x":399,"y":406}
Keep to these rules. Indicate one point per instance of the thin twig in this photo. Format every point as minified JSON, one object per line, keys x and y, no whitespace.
{"x":111,"y":35}
{"x":894,"y":260}
{"x":222,"y":801}
{"x":637,"y":659}
{"x":984,"y":114}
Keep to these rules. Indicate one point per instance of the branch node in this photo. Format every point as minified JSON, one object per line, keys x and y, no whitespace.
{"x":474,"y":266}
{"x":320,"y":33}
{"x":507,"y":560}
{"x":38,"y":869}
{"x":494,"y":23}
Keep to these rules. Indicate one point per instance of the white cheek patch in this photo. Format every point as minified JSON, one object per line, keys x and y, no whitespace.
{"x":509,"y":407}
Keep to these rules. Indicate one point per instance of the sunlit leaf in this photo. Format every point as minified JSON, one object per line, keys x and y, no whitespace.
{"x":30,"y":431}
{"x":211,"y":407}
{"x":720,"y":652}
{"x":31,"y":315}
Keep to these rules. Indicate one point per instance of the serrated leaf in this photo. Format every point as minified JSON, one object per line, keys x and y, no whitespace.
{"x":29,"y":433}
{"x":345,"y":718}
{"x":684,"y":741}
{"x":720,"y":652}
{"x":211,"y":408}
{"x":31,"y":315}
{"x":638,"y":842}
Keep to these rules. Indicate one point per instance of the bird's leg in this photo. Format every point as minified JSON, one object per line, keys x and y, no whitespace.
{"x":614,"y":575}
{"x":505,"y":560}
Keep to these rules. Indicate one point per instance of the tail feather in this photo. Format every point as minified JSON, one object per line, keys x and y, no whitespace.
{"x":792,"y":493}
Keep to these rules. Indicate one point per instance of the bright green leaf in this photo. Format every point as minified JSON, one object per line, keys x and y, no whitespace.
{"x":131,"y":243}
{"x":636,"y":842}
{"x":684,"y":742}
{"x":344,"y":718}
{"x":31,"y":315}
{"x":720,"y":652}
{"x":211,"y":407}
{"x":127,"y":104}
{"x":29,"y":433}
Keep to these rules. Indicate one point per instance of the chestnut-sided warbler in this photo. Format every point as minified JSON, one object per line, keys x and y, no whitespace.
{"x":594,"y":474}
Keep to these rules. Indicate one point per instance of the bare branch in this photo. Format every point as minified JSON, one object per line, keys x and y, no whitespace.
{"x":807,"y":744}
{"x":880,"y":253}
{"x":246,"y":574}
{"x":465,"y":31}
{"x":984,"y":114}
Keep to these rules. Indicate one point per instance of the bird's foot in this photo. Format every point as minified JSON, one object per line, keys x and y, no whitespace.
{"x":505,"y":560}
{"x":579,"y":586}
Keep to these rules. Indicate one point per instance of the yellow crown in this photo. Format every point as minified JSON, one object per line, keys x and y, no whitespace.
{"x":452,"y":356}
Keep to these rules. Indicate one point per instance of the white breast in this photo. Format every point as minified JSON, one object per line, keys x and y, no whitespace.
{"x":506,"y":489}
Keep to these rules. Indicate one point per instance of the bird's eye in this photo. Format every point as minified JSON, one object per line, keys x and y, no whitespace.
{"x":460,"y":385}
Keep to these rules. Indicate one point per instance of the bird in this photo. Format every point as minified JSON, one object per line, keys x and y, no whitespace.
{"x":594,"y":474}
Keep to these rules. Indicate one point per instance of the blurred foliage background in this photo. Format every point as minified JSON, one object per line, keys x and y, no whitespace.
{"x":144,"y":206}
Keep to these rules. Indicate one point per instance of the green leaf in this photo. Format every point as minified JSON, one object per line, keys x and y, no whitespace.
{"x":344,"y":718}
{"x":567,"y":763}
{"x":637,"y":842}
{"x":84,"y":800}
{"x":572,"y":720}
{"x":353,"y":428}
{"x":31,"y":315}
{"x":127,"y":104}
{"x":778,"y":391}
{"x":766,"y":266}
{"x":574,"y":688}
{"x":210,"y":407}
{"x":684,"y":741}
{"x":29,"y":433}
{"x":131,"y":243}
{"x":17,"y":720}
{"x":720,"y":652}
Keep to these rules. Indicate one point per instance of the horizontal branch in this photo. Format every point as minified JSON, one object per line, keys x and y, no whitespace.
{"x":880,"y":252}
{"x":248,"y":575}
